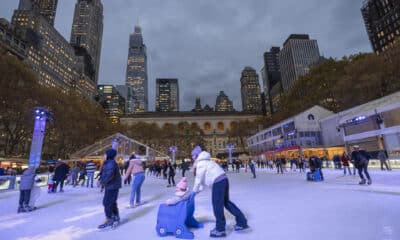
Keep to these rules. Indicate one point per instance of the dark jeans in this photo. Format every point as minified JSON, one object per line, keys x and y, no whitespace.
{"x":171,"y":179}
{"x":24,"y":197}
{"x":128,"y":180}
{"x":110,"y":203}
{"x":253,"y":171}
{"x":56,"y":182}
{"x":363,"y":167}
{"x":220,"y":199}
{"x":279,"y":167}
{"x":384,"y":162}
{"x":183,"y":172}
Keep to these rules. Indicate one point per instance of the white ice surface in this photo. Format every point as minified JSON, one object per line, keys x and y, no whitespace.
{"x":277,"y":207}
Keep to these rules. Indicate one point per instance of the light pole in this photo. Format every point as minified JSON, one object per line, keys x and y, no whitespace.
{"x":173,"y":150}
{"x":230,"y":147}
{"x":41,"y":117}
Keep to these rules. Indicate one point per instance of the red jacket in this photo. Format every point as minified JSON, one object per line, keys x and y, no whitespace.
{"x":345,"y":160}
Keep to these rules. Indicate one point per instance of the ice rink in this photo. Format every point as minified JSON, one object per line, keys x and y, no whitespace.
{"x":279,"y":207}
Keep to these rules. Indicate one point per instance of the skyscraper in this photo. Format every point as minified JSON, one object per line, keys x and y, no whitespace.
{"x":87,"y":31}
{"x":46,"y":8}
{"x":250,"y":90}
{"x":382,"y":21}
{"x":197,"y":106}
{"x":298,"y":54}
{"x":223,"y":103}
{"x":136,"y":71}
{"x":271,"y":75}
{"x":167,"y":95}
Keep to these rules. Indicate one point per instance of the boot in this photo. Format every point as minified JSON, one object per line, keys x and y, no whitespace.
{"x":362,"y":182}
{"x":369,"y":182}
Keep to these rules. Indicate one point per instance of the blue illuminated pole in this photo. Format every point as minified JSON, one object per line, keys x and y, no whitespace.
{"x":114,"y":144}
{"x":230,"y":147}
{"x":173,"y":150}
{"x":41,"y":116}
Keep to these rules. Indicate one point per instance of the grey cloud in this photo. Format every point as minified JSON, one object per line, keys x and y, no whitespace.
{"x":207,"y":43}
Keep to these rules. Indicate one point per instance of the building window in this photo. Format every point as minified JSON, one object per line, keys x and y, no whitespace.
{"x":207,"y":126}
{"x":220,"y":126}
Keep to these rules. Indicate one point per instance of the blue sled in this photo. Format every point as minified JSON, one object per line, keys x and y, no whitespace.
{"x":316,"y":176}
{"x":176,"y":219}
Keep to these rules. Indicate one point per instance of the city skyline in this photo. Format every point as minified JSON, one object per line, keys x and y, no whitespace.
{"x":206,"y":30}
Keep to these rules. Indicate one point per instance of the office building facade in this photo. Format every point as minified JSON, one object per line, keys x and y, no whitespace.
{"x":127,"y":93}
{"x":250,"y":91}
{"x":136,"y":72}
{"x":87,"y":31}
{"x":112,"y":102}
{"x":223,"y":103}
{"x":298,"y":55}
{"x":167,"y":95}
{"x":271,"y":75}
{"x":382,"y":22}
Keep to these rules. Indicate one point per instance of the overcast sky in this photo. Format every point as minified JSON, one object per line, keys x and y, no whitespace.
{"x":207,"y":43}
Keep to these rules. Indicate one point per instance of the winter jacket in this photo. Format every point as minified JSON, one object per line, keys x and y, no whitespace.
{"x":345,"y":160}
{"x":90,"y":167}
{"x":135,"y":166}
{"x":360,"y":157}
{"x":171,"y":170}
{"x":27,"y":179}
{"x":60,"y":173}
{"x":207,"y":171}
{"x":110,"y":176}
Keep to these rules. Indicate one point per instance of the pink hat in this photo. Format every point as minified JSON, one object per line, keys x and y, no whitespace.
{"x":181,"y":185}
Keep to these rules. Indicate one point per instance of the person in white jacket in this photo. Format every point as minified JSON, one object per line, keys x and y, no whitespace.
{"x":209,"y":173}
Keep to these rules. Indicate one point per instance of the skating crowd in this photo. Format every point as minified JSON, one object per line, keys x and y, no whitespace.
{"x":111,"y":177}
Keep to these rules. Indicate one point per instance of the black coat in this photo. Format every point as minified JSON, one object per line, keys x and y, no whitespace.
{"x":61,"y":171}
{"x":360,"y":157}
{"x":110,"y":176}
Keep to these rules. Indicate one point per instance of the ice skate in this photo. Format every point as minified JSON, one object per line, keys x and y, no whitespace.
{"x":216,"y":234}
{"x":240,"y":228}
{"x":362,"y":182}
{"x":369,"y":182}
{"x":106,"y":225}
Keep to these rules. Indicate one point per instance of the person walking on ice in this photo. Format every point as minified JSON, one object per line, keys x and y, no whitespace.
{"x":208,"y":172}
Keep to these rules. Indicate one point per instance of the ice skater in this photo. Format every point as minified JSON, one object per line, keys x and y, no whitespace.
{"x":252,"y":168}
{"x":111,"y":180}
{"x":25,"y":188}
{"x":208,"y":172}
{"x":361,"y":160}
{"x":136,"y":168}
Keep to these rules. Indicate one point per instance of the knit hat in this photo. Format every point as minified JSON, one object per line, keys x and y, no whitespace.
{"x":196,"y":151}
{"x":182,"y":185}
{"x":111,"y":153}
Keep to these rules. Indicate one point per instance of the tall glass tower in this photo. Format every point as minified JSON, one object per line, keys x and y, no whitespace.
{"x":136,"y":71}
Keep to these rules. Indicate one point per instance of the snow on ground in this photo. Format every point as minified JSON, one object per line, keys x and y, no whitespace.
{"x":277,"y":207}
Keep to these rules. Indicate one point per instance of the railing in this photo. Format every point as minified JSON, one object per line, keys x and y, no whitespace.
{"x":12,"y":182}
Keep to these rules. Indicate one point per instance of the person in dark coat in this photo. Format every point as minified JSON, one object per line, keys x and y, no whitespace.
{"x":315,"y":164}
{"x":25,"y":187}
{"x":111,"y":179}
{"x":60,"y":174}
{"x":171,"y":175}
{"x":361,"y":161}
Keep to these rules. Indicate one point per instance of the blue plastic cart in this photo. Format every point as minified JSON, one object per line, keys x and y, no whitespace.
{"x":176,"y":219}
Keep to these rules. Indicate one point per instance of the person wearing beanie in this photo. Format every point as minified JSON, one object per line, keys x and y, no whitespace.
{"x":110,"y":178}
{"x":181,"y":193}
{"x":136,"y":169}
{"x":209,"y":173}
